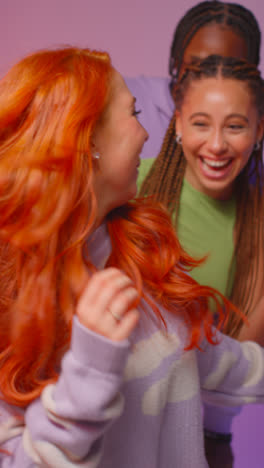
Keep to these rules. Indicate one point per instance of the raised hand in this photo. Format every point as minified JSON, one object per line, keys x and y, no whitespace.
{"x":107,"y":305}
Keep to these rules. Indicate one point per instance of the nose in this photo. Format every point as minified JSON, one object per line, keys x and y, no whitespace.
{"x":146,"y":134}
{"x":217,"y":143}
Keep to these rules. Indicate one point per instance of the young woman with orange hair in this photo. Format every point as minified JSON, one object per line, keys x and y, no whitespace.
{"x":106,"y":341}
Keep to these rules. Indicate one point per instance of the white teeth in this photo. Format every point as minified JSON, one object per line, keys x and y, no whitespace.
{"x":213,"y":163}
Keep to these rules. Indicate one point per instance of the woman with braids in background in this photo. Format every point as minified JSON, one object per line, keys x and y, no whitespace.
{"x":211,"y":179}
{"x":210,"y":27}
{"x":105,"y":339}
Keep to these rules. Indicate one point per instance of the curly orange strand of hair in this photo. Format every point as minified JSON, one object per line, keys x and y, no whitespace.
{"x":147,"y":249}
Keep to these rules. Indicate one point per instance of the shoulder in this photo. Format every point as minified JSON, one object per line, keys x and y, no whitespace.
{"x":153,"y":90}
{"x":147,"y":83}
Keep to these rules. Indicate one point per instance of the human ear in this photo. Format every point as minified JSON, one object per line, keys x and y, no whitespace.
{"x":94,"y":151}
{"x":178,"y":123}
{"x":260,"y":130}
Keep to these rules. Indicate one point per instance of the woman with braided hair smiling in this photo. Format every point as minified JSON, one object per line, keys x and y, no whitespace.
{"x":211,"y":178}
{"x":209,"y":27}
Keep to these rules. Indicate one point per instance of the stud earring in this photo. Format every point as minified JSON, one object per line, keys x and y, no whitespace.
{"x":96,"y":155}
{"x":178,"y":139}
{"x":257,"y":146}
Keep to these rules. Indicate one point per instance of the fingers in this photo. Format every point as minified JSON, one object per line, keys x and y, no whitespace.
{"x":122,"y":301}
{"x":107,"y":305}
{"x":104,"y":285}
{"x":126,"y":325}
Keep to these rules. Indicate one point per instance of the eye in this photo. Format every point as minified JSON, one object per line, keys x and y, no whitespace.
{"x":200,"y":124}
{"x":235,"y":126}
{"x":136,"y":112}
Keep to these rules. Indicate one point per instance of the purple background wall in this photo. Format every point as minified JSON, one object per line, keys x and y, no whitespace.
{"x":137,"y":33}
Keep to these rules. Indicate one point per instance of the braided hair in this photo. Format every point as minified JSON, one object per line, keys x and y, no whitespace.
{"x":234,"y":16}
{"x":165,"y":178}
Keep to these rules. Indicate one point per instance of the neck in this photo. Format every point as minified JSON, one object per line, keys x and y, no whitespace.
{"x":99,"y":246}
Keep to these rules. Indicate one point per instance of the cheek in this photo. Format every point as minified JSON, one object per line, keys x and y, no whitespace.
{"x":137,"y":131}
{"x":192,"y":141}
{"x":243,"y":146}
{"x":128,"y":134}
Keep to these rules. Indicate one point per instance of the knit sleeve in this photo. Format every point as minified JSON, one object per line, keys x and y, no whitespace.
{"x":231,"y":373}
{"x":66,"y":425}
{"x":219,"y":419}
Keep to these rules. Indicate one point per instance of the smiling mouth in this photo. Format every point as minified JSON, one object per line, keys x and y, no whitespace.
{"x":216,"y":165}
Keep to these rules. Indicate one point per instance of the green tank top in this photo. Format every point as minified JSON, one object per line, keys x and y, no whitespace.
{"x":205,"y":227}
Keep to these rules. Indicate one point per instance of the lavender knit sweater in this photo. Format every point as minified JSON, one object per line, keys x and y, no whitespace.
{"x":134,"y":404}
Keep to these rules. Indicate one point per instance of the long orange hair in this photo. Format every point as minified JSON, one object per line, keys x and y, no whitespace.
{"x":50,"y":103}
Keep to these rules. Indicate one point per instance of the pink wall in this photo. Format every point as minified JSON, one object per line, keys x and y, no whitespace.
{"x":137,"y":33}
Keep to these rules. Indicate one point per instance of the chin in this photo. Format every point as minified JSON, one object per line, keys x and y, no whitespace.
{"x":124,"y":196}
{"x":220,"y":193}
{"x":132,"y":193}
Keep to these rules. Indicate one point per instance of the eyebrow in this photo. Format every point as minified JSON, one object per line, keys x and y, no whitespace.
{"x":192,"y":59}
{"x":195,"y":57}
{"x":230,"y":116}
{"x":240,"y":116}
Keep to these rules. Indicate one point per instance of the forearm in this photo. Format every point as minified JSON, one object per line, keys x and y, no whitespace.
{"x":232,"y":373}
{"x":66,"y":425}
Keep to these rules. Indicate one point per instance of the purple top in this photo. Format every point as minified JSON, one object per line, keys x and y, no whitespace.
{"x":130,"y":404}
